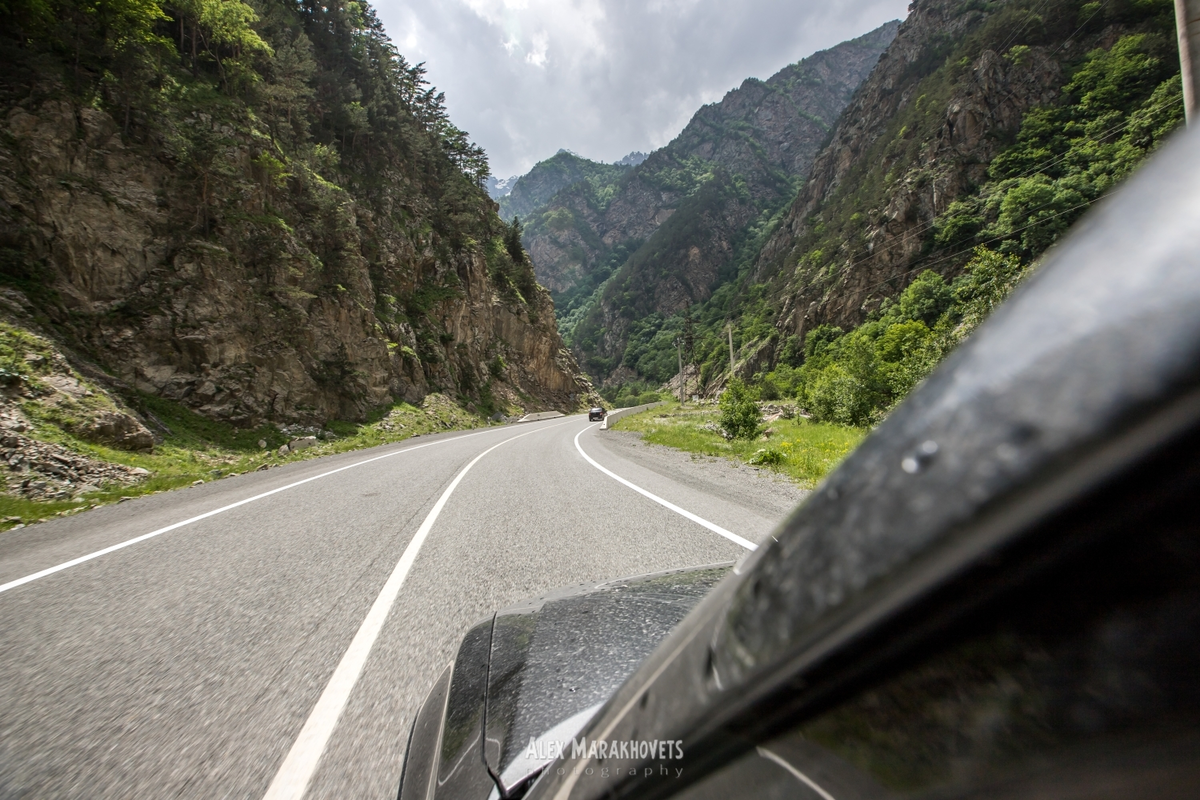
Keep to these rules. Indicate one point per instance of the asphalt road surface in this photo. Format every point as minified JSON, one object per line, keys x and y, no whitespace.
{"x":281,"y":647}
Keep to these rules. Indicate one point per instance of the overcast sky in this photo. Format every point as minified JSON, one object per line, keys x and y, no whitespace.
{"x":605,"y":77}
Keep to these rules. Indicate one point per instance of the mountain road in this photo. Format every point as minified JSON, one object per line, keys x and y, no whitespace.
{"x":273,"y":634}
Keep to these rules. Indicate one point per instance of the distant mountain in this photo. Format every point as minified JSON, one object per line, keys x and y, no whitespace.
{"x":633,"y":159}
{"x":499,"y":187}
{"x":535,"y":188}
{"x":622,"y":258}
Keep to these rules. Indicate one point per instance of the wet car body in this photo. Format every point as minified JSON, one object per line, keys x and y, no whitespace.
{"x":997,"y":595}
{"x":533,"y":675}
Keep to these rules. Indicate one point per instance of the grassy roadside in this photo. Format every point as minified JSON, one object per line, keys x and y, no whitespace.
{"x":804,"y":451}
{"x":198,"y":449}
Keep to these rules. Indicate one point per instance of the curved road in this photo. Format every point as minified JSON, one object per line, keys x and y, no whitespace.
{"x":311,"y":617}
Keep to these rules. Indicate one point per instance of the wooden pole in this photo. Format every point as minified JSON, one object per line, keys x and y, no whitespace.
{"x":729,"y":327}
{"x":679,"y":352}
{"x":1187,"y":25}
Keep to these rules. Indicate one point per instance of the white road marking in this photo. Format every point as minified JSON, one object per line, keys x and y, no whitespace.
{"x":797,"y":774}
{"x":291,"y":781}
{"x":113,"y":548}
{"x":733,"y":537}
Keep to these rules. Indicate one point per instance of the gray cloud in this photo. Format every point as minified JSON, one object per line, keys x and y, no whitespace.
{"x":604,"y":77}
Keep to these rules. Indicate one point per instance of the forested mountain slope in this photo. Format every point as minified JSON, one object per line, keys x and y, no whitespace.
{"x":994,"y":123}
{"x":671,"y":228}
{"x":260,"y":210}
{"x":985,"y":130}
{"x":535,"y":188}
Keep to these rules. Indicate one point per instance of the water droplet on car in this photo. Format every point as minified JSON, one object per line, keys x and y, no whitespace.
{"x":920,"y":458}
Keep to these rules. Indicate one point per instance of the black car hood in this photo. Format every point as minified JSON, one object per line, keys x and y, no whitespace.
{"x":555,"y":660}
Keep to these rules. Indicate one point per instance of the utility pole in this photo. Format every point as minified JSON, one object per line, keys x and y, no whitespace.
{"x":729,"y":327}
{"x":1187,"y":25}
{"x":679,"y":352}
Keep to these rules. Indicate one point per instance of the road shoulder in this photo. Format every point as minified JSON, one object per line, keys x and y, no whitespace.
{"x":761,"y":490}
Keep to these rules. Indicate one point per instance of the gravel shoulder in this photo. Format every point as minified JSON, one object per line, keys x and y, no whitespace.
{"x":763,"y":490}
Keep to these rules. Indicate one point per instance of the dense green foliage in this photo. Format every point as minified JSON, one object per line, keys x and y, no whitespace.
{"x":1122,"y":102}
{"x":560,"y":199}
{"x":675,"y":227}
{"x":509,"y":265}
{"x":534,"y":190}
{"x":649,"y":347}
{"x":630,"y":393}
{"x":720,"y":215}
{"x":801,"y":449}
{"x":578,"y":301}
{"x":322,"y":81}
{"x":854,"y":378}
{"x":330,"y":110}
{"x":740,"y":417}
{"x":290,"y":139}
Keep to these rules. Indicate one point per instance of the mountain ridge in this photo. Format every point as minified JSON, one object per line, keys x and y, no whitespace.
{"x":754,"y":146}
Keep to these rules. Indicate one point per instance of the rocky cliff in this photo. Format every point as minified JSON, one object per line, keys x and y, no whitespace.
{"x":910,"y":178}
{"x":264,"y":249}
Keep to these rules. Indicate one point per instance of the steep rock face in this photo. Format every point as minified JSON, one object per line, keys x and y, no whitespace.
{"x":681,"y":264}
{"x":692,"y":202}
{"x":289,"y":299}
{"x":920,"y":133}
{"x":573,"y":226}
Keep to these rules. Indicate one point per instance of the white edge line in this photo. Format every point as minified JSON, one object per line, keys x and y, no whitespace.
{"x":113,"y":548}
{"x":731,"y":536}
{"x":797,"y":774}
{"x":292,"y":779}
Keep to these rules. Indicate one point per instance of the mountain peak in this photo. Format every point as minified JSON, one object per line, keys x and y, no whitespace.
{"x":500,"y":187}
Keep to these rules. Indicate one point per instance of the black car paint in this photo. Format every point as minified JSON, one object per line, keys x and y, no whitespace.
{"x":596,"y":414}
{"x":557,"y":657}
{"x":1067,"y":427}
{"x":533,"y":666}
{"x":446,"y":741}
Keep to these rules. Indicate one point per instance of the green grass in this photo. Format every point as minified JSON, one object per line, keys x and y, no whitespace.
{"x":202,"y":449}
{"x":804,"y":451}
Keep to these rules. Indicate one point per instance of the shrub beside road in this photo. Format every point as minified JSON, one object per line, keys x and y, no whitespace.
{"x":804,"y":451}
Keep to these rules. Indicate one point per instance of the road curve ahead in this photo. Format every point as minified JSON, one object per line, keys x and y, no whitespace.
{"x":280,"y":646}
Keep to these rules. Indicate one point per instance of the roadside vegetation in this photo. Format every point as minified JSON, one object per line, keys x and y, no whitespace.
{"x":799,"y":448}
{"x":632,"y":393}
{"x":196,"y":449}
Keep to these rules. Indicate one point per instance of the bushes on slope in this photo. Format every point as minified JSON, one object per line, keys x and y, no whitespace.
{"x":855,"y":378}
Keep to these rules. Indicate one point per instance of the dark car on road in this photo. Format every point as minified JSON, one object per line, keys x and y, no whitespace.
{"x":997,"y":595}
{"x":596,"y":414}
